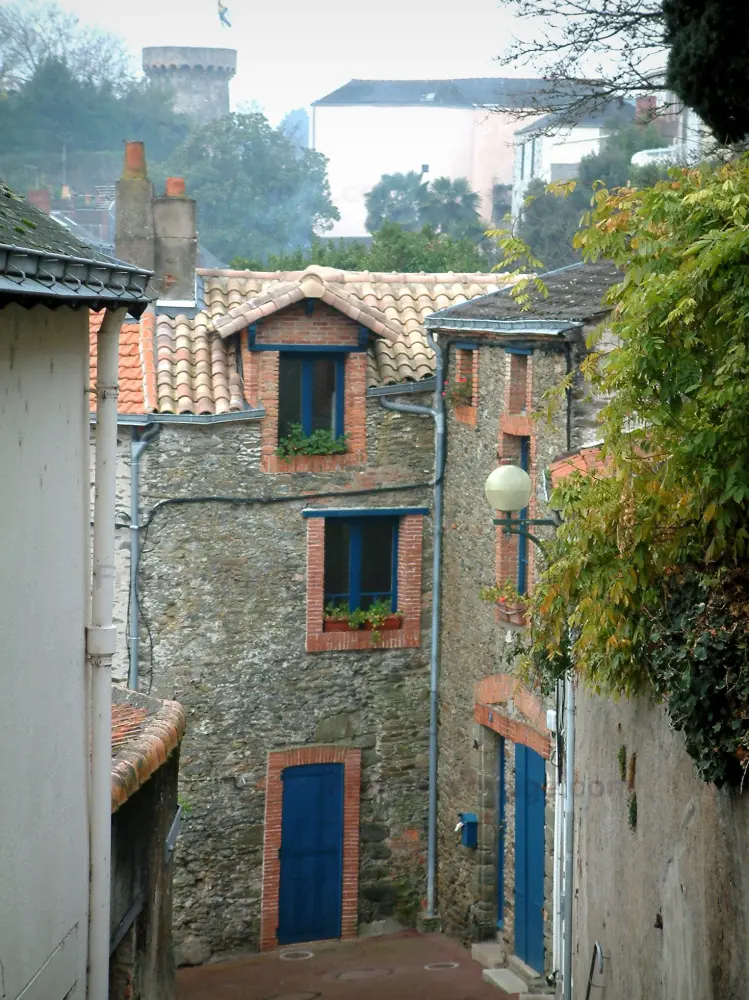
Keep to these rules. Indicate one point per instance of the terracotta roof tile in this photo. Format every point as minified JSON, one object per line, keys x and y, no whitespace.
{"x":136,"y":374}
{"x":186,"y":365}
{"x":393,"y":306}
{"x":144,"y":733}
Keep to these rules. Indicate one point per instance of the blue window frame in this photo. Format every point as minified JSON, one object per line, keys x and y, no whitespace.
{"x":361,"y":561}
{"x":525,"y":454}
{"x":311,"y":392}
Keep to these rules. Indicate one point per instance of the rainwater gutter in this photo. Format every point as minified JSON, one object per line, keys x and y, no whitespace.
{"x":437,"y":413}
{"x":138,"y":445}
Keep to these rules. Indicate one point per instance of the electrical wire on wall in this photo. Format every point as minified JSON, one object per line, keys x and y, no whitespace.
{"x":247,"y":501}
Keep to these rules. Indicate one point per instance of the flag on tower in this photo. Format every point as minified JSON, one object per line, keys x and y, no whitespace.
{"x":223,"y":12}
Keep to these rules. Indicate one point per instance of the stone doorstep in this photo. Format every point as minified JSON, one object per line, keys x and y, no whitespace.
{"x":489,"y":954}
{"x":504,"y":979}
{"x":532,"y":982}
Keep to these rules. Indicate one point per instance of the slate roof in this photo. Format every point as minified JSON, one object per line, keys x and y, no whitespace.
{"x":575,"y":296}
{"x":505,"y":92}
{"x":619,"y":111}
{"x":41,"y":261}
{"x":144,"y":733}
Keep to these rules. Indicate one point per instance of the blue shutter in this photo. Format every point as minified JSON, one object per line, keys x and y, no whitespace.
{"x":530,"y":802}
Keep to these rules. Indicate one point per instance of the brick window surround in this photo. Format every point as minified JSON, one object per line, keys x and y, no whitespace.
{"x":492,"y":693}
{"x":410,"y":531}
{"x":278,"y":760}
{"x":467,"y":369}
{"x":309,"y":325}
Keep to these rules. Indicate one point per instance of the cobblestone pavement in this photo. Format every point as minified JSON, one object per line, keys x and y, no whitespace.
{"x":407,"y":966}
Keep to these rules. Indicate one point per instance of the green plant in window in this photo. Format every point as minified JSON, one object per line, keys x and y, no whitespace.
{"x":460,"y":392}
{"x":632,"y":811}
{"x":506,"y":594}
{"x":319,"y":442}
{"x":622,"y":758}
{"x":337,"y":611}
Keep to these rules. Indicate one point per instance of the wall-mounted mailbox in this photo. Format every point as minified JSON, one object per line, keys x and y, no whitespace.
{"x":469,"y":829}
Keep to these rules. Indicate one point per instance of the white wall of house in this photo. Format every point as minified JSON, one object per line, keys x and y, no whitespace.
{"x":363,"y":143}
{"x":550,"y":158}
{"x":43,"y":594}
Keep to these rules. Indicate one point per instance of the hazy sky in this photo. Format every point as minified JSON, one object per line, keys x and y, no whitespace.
{"x":291,"y":52}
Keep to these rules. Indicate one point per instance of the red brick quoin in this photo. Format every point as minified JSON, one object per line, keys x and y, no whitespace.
{"x":277,"y":762}
{"x":293,"y":326}
{"x":409,"y":592}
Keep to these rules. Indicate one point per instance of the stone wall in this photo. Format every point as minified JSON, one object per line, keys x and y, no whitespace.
{"x":668,"y":901}
{"x":475,"y":645}
{"x":223,"y":593}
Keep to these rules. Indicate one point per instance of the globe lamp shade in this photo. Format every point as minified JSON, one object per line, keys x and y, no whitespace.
{"x":508,"y":488}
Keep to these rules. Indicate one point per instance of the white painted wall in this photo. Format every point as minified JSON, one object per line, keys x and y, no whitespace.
{"x":536,"y":157}
{"x":43,"y":595}
{"x":363,"y":143}
{"x":121,"y":548}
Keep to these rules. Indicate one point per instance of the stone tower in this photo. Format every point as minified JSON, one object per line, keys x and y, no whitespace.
{"x":199,"y":78}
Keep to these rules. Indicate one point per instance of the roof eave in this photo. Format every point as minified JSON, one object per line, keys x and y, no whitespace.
{"x":525,"y":327}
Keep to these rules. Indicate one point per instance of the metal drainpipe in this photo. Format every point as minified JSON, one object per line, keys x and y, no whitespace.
{"x":100,"y":647}
{"x":438,"y":415}
{"x":137,"y":446}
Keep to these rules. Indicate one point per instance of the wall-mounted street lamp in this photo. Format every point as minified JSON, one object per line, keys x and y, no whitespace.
{"x":508,"y":489}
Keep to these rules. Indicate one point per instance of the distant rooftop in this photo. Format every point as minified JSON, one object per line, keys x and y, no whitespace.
{"x":620,"y":112}
{"x":503,"y":92}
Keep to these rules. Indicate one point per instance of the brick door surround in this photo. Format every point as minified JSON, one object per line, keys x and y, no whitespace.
{"x":278,"y":760}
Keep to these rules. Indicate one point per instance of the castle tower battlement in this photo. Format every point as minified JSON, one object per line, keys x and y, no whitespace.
{"x":198,"y":77}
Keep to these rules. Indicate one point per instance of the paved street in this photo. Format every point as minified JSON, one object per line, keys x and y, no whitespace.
{"x":391,"y":967}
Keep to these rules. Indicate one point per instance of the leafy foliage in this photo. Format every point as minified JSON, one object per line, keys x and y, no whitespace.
{"x":57,"y":108}
{"x":319,"y":442}
{"x":548,"y":223}
{"x":667,"y":511}
{"x":392,"y":249}
{"x":258,"y":191}
{"x":708,"y":61}
{"x":445,"y":206}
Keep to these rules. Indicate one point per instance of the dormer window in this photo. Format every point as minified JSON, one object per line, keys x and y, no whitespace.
{"x":311,"y":392}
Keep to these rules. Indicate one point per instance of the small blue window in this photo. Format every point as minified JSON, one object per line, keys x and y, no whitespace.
{"x":361,"y":561}
{"x":311,"y":392}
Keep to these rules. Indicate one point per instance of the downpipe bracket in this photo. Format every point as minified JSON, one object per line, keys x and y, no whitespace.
{"x":101,"y":640}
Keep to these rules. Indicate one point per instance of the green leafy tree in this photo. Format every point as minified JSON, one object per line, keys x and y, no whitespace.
{"x":396,"y":198}
{"x":258,"y":192}
{"x":548,"y":223}
{"x":452,"y":207}
{"x":708,"y":61}
{"x":392,"y":249}
{"x":648,"y":569}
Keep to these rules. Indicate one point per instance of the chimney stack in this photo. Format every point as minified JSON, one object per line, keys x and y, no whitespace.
{"x":176,"y":242}
{"x":41,"y":198}
{"x":134,"y":240}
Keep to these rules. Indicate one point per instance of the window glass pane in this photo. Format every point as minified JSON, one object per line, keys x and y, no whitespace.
{"x":289,"y":392}
{"x":323,"y":393}
{"x":377,"y":559}
{"x":336,"y":559}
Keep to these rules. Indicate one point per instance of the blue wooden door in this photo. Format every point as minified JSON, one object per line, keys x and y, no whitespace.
{"x":311,"y":884}
{"x":530,"y":801}
{"x":501,"y":832}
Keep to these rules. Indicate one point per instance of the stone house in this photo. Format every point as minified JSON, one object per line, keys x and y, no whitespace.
{"x":497,"y":756}
{"x":301,"y":738}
